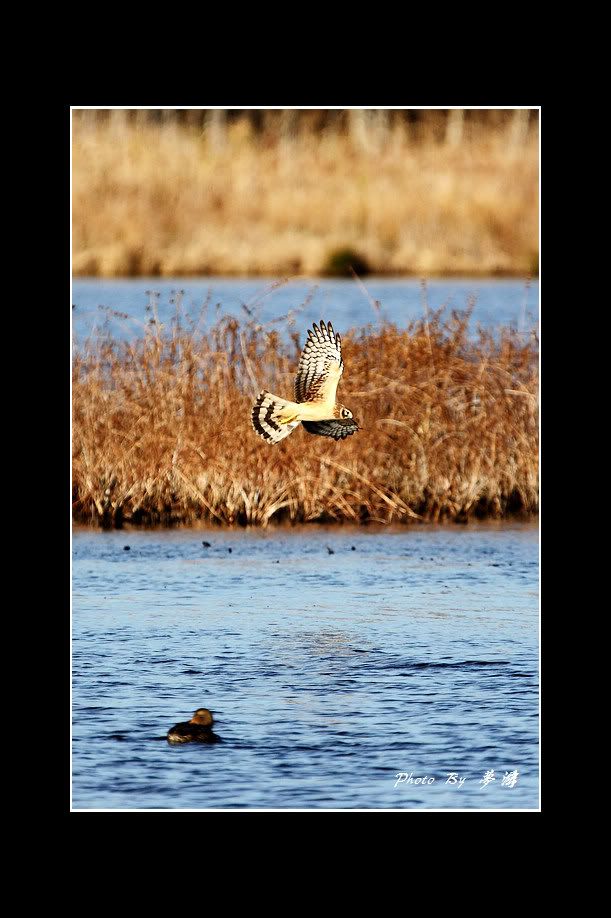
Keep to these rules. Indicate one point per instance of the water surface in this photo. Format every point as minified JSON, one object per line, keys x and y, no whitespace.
{"x":343,"y":302}
{"x":334,"y":660}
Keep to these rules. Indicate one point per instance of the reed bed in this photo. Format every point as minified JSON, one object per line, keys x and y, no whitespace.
{"x":219,"y":198}
{"x":162,"y":433}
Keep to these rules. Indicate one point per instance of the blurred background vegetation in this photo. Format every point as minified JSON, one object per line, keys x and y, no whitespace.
{"x":313,"y":192}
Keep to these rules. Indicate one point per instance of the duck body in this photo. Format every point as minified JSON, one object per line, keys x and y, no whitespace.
{"x":196,"y":730}
{"x":191,"y":733}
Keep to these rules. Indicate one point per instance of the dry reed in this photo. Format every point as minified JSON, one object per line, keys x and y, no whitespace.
{"x":177,"y":199}
{"x":162,"y":434}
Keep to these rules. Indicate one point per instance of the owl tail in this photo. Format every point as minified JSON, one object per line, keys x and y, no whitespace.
{"x":270,"y":417}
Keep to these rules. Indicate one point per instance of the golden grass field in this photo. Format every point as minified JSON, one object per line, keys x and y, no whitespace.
{"x":162,"y":432}
{"x":177,"y":199}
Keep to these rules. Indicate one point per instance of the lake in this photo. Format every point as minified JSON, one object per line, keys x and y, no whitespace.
{"x":343,"y":665}
{"x":343,"y":302}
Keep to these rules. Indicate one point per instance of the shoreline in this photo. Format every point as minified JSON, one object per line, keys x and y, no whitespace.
{"x":177,"y":275}
{"x":511,"y":521}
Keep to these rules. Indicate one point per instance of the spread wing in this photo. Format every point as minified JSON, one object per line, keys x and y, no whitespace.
{"x":320,"y":365}
{"x":336,"y":428}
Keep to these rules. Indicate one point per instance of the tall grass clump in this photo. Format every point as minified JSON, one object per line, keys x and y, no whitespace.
{"x":162,"y":433}
{"x":227,"y":197}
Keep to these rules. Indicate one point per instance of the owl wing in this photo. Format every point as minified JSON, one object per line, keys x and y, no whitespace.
{"x":337,"y":428}
{"x":320,"y":365}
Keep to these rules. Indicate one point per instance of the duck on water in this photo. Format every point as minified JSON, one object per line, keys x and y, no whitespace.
{"x":196,"y":730}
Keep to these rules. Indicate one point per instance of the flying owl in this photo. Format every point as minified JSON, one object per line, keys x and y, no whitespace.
{"x":319,"y":371}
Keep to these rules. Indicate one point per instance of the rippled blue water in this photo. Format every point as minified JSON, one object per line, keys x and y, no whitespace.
{"x":414,"y":653}
{"x":498,"y":302}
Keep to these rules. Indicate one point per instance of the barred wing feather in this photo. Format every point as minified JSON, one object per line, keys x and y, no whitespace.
{"x":320,"y":365}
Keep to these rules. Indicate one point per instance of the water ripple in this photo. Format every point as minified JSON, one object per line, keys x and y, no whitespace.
{"x":323,"y":688}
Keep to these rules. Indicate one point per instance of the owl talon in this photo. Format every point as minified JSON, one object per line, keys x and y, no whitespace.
{"x":293,"y":417}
